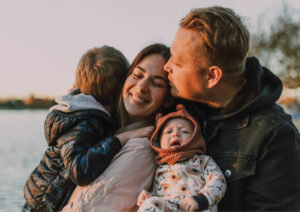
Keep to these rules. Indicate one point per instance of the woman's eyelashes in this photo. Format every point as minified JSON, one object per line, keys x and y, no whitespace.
{"x":137,"y":75}
{"x":159,"y":83}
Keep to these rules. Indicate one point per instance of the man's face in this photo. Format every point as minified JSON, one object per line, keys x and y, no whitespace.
{"x":186,"y":75}
{"x":176,"y":132}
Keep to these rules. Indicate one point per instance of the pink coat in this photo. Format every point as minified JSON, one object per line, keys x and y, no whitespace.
{"x":117,"y":189}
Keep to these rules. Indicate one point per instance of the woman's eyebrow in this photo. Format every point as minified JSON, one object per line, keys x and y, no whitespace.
{"x":155,"y":77}
{"x":142,"y":69}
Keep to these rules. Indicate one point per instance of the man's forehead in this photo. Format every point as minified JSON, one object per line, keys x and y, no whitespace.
{"x":184,"y":40}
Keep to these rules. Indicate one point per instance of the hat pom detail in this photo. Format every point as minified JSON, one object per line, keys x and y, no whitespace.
{"x":180,"y":107}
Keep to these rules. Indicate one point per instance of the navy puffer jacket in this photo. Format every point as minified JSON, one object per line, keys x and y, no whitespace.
{"x":80,"y":147}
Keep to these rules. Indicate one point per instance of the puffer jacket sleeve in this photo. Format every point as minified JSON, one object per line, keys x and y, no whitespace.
{"x":215,"y":185}
{"x":84,"y":158}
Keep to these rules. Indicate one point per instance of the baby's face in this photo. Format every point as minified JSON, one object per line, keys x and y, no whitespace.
{"x":176,"y":132}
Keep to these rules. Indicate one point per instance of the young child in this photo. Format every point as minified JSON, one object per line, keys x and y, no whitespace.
{"x":186,"y":179}
{"x":79,"y":131}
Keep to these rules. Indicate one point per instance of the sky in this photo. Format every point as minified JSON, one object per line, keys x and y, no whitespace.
{"x":41,"y":41}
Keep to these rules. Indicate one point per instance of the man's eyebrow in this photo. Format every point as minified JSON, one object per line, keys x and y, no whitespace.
{"x":172,"y":51}
{"x":174,"y":55}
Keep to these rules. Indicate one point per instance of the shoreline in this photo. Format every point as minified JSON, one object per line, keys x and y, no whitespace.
{"x":295,"y":117}
{"x":297,"y":124}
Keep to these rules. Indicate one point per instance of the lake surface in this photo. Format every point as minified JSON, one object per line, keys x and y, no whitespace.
{"x":22,"y":145}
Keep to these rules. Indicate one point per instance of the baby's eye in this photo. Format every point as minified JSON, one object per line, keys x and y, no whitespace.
{"x":185,"y":131}
{"x":167,"y":131}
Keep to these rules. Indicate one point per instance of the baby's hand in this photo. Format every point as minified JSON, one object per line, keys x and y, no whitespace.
{"x":142,"y":197}
{"x":189,"y":204}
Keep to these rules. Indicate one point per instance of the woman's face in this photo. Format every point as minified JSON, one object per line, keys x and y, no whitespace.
{"x":146,"y":88}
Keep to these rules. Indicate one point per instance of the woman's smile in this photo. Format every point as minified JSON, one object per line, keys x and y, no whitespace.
{"x":137,"y":99}
{"x":146,"y":88}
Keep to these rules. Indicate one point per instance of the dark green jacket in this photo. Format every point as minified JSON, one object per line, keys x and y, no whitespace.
{"x":255,"y":144}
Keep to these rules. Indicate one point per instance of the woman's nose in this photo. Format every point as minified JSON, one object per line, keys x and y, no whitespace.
{"x":143,"y":85}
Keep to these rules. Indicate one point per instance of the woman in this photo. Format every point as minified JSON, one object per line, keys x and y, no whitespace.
{"x":145,"y":93}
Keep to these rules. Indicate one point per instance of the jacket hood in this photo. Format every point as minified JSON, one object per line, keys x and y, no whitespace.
{"x":262,"y":89}
{"x":195,"y":144}
{"x":75,"y":102}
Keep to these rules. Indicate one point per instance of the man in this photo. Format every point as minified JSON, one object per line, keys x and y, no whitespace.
{"x":250,"y":137}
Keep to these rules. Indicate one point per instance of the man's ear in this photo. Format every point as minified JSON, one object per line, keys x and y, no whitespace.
{"x":214,"y":75}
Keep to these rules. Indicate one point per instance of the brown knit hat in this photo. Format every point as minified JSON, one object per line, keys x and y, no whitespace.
{"x":195,"y":144}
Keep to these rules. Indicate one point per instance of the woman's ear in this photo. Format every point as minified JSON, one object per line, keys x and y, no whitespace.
{"x":214,"y":75}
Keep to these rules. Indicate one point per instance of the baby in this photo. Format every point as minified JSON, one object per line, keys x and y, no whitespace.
{"x":185,"y":179}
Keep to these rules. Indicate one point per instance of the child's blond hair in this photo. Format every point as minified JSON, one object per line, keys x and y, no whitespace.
{"x":101,"y":73}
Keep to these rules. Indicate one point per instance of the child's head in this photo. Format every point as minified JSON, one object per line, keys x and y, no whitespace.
{"x":177,"y":136}
{"x":101,"y":73}
{"x":176,"y":132}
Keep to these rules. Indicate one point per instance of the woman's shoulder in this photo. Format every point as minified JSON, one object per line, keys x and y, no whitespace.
{"x":131,"y":170}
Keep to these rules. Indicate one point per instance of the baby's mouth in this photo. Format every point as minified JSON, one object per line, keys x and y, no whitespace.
{"x":175,"y":143}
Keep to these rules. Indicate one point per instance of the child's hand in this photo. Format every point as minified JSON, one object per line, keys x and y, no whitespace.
{"x":137,"y":133}
{"x":189,"y":204}
{"x":142,"y":197}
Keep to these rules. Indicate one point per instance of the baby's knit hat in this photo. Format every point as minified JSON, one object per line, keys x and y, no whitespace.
{"x":195,"y":144}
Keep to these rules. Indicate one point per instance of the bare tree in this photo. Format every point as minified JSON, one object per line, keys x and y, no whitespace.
{"x":279,"y":46}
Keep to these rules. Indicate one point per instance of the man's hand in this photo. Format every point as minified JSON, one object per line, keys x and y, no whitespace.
{"x":142,"y":197}
{"x":189,"y":204}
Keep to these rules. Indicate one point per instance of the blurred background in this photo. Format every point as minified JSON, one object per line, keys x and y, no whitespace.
{"x":41,"y":42}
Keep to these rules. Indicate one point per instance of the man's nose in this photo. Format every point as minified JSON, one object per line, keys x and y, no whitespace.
{"x":167,"y":66}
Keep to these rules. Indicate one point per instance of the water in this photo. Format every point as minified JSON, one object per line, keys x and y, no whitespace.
{"x":22,"y":144}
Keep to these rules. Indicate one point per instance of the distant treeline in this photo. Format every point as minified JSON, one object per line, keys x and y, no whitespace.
{"x":29,"y":103}
{"x":291,"y":102}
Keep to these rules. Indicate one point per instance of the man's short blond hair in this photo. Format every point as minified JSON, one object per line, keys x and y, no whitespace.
{"x":101,"y":73}
{"x":223,"y":40}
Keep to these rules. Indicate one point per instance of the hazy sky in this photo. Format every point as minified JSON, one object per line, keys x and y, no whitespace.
{"x":41,"y":41}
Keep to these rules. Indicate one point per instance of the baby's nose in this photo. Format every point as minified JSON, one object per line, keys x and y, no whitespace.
{"x":175,"y":133}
